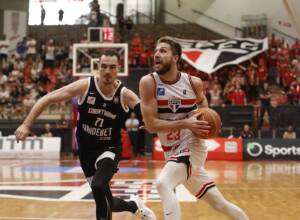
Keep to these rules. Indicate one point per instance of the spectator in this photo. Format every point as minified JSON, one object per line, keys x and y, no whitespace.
{"x":3,"y":79}
{"x":215,"y":95}
{"x":4,"y":43}
{"x":247,"y":133}
{"x":62,"y":123}
{"x":238,"y":96}
{"x":289,"y":133}
{"x":60,"y":15}
{"x":265,"y":97}
{"x":43,"y":14}
{"x":294,"y":93}
{"x":31,"y":47}
{"x":129,"y":27}
{"x":47,"y":131}
{"x":132,"y":126}
{"x":50,"y":55}
{"x":21,"y":48}
{"x":274,"y":116}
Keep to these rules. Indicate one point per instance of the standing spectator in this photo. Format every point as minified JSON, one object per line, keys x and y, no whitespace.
{"x":294,"y":93}
{"x":50,"y":54}
{"x":60,"y":15}
{"x":247,"y":133}
{"x":274,"y":117}
{"x":132,"y":126}
{"x":4,"y":43}
{"x":21,"y":48}
{"x":265,"y":97}
{"x":129,"y":27}
{"x":47,"y":131}
{"x":43,"y":14}
{"x":238,"y":96}
{"x":31,"y":47}
{"x":289,"y":133}
{"x":272,"y":70}
{"x":215,"y":95}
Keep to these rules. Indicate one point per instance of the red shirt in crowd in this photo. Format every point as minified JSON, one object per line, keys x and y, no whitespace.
{"x":238,"y":97}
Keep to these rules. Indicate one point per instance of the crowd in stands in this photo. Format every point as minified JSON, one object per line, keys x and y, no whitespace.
{"x":269,"y":79}
{"x":34,"y":70}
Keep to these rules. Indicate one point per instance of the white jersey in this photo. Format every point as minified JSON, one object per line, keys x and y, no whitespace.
{"x":176,"y":101}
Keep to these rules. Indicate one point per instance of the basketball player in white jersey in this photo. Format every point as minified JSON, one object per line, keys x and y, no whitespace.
{"x":168,"y":101}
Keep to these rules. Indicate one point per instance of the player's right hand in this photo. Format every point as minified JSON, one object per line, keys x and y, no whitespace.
{"x":199,"y":127}
{"x":22,"y":132}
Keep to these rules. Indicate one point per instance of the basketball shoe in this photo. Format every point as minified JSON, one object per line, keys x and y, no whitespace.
{"x":143,"y":211}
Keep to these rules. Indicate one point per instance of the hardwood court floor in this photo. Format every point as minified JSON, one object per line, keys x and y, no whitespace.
{"x":56,"y":190}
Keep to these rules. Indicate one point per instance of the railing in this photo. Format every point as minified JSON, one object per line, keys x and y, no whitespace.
{"x":180,"y":18}
{"x":141,"y":18}
{"x":185,"y":21}
{"x":237,"y":31}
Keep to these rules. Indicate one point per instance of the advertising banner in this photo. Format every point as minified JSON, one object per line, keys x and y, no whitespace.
{"x":271,"y":149}
{"x":31,"y":148}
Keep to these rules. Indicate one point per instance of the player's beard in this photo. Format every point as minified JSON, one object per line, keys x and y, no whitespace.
{"x":166,"y":68}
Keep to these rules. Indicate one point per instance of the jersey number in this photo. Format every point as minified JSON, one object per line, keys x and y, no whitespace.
{"x":99,"y":122}
{"x":173,"y":135}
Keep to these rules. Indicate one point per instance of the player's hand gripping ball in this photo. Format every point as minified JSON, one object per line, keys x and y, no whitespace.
{"x":213,"y":119}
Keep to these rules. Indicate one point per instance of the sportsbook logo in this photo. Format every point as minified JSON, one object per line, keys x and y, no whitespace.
{"x":254,"y":149}
{"x":270,"y":149}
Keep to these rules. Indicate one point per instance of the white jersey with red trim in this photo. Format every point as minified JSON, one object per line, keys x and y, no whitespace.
{"x":176,"y":101}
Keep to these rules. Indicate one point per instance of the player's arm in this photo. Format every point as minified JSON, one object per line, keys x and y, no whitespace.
{"x":133,"y":102}
{"x":149,"y":111}
{"x":65,"y":93}
{"x":198,"y":87}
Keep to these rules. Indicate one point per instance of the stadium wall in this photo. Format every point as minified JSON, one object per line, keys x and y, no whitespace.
{"x":282,"y":14}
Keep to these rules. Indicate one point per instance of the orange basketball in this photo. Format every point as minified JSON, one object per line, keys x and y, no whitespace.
{"x":214,"y":120}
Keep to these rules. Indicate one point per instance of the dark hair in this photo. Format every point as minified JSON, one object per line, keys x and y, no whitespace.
{"x":111,"y":53}
{"x":175,"y":46}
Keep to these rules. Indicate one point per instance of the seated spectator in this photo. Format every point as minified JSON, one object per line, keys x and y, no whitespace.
{"x":247,"y":133}
{"x":289,"y":133}
{"x":62,"y":123}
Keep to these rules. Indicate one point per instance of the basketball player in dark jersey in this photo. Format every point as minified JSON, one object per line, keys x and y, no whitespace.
{"x":103,"y":106}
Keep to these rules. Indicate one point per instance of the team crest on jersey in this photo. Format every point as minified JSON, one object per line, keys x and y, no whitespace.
{"x":184,"y":92}
{"x":91,"y":100}
{"x":160,"y":91}
{"x":174,"y":104}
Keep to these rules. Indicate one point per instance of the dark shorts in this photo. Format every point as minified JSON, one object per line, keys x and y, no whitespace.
{"x":88,"y":160}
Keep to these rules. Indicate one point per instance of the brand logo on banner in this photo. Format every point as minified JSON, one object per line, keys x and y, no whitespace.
{"x":279,"y":149}
{"x":42,"y":147}
{"x":209,"y":56}
{"x":254,"y":149}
